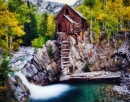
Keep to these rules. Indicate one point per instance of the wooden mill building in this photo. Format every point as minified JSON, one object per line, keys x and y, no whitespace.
{"x":68,"y":22}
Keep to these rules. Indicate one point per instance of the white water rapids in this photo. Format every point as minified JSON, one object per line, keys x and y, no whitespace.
{"x":43,"y":92}
{"x":19,"y":60}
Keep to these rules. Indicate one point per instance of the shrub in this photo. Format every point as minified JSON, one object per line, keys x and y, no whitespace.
{"x":75,"y":67}
{"x":38,"y":42}
{"x":86,"y":69}
{"x":5,"y":69}
{"x":50,"y":53}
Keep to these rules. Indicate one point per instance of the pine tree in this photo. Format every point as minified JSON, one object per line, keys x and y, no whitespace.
{"x":43,"y":24}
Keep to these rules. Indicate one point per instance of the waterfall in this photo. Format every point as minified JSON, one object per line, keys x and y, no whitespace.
{"x":43,"y":92}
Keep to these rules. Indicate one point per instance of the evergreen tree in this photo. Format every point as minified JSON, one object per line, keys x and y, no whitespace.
{"x":31,"y":31}
{"x":43,"y":24}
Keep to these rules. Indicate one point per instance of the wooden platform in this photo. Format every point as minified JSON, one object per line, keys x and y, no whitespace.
{"x":92,"y":75}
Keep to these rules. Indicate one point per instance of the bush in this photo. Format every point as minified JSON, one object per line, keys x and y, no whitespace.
{"x":38,"y":42}
{"x":5,"y":69}
{"x":75,"y":67}
{"x":86,"y":69}
{"x":50,"y":53}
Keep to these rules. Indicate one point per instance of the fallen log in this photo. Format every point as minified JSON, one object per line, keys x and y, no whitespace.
{"x":92,"y":75}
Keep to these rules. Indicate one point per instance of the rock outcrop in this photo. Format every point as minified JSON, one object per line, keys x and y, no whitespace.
{"x":42,"y":69}
{"x":77,"y":56}
{"x":20,"y":91}
{"x":123,"y":53}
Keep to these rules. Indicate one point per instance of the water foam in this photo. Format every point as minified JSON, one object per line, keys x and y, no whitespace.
{"x":43,"y":92}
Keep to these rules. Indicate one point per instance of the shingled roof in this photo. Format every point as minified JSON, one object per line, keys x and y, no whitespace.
{"x":69,"y":19}
{"x":78,"y":13}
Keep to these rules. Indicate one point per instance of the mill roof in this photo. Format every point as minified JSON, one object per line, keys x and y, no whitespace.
{"x":69,"y":19}
{"x":78,"y":13}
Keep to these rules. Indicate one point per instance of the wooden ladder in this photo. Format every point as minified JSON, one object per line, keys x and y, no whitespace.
{"x":64,"y":51}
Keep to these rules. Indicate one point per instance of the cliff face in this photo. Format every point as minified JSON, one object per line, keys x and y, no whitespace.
{"x":106,"y":55}
{"x":42,"y":69}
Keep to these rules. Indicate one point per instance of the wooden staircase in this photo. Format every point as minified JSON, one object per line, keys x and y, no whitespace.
{"x":64,"y":51}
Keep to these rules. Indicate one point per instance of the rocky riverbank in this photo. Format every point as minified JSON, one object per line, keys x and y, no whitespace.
{"x":42,"y":68}
{"x":18,"y":61}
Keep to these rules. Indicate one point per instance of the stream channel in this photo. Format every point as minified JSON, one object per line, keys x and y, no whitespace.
{"x":72,"y":92}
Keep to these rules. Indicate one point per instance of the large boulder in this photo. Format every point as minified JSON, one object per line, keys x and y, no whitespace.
{"x":42,"y":69}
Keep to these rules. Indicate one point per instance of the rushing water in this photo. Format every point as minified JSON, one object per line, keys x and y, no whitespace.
{"x":82,"y":93}
{"x":71,"y":92}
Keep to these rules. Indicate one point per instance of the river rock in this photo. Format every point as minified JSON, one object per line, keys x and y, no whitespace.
{"x":21,"y":92}
{"x":122,"y":54}
{"x":20,"y":58}
{"x":18,"y":61}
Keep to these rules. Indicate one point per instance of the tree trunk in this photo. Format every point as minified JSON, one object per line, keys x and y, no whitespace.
{"x":7,"y":41}
{"x":10,"y":43}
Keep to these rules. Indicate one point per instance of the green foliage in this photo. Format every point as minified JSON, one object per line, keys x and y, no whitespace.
{"x":4,"y":69}
{"x":31,"y":30}
{"x":27,"y":18}
{"x":20,"y":7}
{"x":86,"y":69}
{"x":89,"y":3}
{"x":10,"y":27}
{"x":97,"y":31}
{"x":38,"y":42}
{"x":43,"y":24}
{"x":50,"y":26}
{"x":37,"y":27}
{"x":46,"y":29}
{"x":49,"y":50}
{"x":109,"y":15}
{"x":5,"y":54}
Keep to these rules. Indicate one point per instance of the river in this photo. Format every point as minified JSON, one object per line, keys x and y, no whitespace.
{"x":72,"y":92}
{"x":77,"y":92}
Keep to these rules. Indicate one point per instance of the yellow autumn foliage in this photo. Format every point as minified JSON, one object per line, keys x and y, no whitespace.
{"x":10,"y":27}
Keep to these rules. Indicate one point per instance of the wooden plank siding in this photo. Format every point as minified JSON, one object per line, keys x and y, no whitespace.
{"x":70,"y":21}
